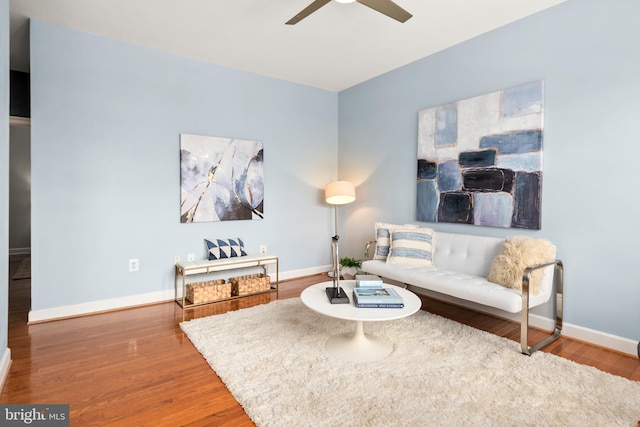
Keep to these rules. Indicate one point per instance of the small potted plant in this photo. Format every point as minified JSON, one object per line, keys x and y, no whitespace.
{"x":349,"y":266}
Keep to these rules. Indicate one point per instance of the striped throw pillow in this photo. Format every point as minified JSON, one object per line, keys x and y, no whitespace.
{"x":411,"y":247}
{"x":383,"y":238}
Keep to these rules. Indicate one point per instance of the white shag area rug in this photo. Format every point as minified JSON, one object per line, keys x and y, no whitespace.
{"x":272,"y":358}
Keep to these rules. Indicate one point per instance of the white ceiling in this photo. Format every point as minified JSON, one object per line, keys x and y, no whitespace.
{"x":335,"y":48}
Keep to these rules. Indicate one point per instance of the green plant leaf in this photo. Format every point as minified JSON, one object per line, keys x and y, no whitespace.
{"x":350,"y":262}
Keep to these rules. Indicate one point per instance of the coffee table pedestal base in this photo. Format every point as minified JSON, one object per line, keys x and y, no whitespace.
{"x":358,"y":347}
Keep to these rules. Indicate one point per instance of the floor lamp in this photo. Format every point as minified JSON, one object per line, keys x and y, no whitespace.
{"x":338,"y":193}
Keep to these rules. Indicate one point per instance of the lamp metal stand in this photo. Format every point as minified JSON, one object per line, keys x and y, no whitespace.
{"x":335,"y":293}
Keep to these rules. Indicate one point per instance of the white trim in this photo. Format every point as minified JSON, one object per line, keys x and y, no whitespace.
{"x":602,"y":339}
{"x":591,"y":336}
{"x":5,"y":366}
{"x":92,"y":307}
{"x":19,"y":251}
{"x":19,"y":121}
{"x":304,"y":272}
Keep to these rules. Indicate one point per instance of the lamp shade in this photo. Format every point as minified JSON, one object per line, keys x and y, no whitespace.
{"x":339,"y":192}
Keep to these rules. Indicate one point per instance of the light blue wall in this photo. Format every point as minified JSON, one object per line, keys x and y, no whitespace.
{"x":587,"y":53}
{"x":4,"y":170}
{"x":106,"y":120}
{"x":105,"y":179}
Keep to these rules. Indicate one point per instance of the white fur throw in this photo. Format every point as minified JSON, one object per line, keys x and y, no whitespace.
{"x":516,"y":254}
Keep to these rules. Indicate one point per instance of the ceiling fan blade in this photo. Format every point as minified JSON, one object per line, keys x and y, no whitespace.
{"x":389,"y":8}
{"x":317,"y":4}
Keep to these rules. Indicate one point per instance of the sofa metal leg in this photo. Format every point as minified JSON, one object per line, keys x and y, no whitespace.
{"x":558,"y":284}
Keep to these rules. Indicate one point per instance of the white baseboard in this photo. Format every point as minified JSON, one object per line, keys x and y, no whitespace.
{"x":83,"y":309}
{"x":623,"y":345}
{"x":292,"y":274}
{"x":5,"y":365}
{"x":19,"y":251}
{"x":603,"y":339}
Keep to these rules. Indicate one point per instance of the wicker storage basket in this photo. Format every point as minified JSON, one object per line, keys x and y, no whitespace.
{"x":250,"y":284}
{"x":212,"y":290}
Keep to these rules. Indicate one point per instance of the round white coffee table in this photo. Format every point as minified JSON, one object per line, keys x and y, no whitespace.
{"x":358,"y":346}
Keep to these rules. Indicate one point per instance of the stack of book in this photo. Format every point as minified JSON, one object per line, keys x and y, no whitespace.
{"x":368,"y":281}
{"x":377,"y":298}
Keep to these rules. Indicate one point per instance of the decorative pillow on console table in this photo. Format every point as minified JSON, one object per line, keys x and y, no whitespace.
{"x":411,"y":247}
{"x":225,"y":248}
{"x":518,"y":253}
{"x":383,"y":239}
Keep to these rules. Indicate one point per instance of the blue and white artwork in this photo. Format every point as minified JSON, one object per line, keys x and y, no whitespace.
{"x":221,"y":179}
{"x":480,"y":159}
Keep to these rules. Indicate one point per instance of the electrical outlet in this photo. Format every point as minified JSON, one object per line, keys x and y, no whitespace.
{"x":191,"y":257}
{"x":263,"y":249}
{"x":176,"y":259}
{"x":134,"y":265}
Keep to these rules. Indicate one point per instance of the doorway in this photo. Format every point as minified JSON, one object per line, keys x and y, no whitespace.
{"x":19,"y":212}
{"x":19,"y":186}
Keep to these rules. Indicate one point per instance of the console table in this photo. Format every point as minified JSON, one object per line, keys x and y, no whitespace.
{"x":190,"y":268}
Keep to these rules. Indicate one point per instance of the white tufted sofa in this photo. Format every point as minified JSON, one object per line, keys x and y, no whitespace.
{"x":461,"y":264}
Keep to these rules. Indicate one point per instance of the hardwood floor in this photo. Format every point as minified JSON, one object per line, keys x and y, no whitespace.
{"x":135,"y":367}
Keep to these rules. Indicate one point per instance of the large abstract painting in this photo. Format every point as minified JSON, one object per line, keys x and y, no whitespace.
{"x":221,"y":179}
{"x":480,"y":160}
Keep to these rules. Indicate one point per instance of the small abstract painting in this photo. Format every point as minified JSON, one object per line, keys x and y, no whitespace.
{"x":480,"y":160}
{"x":221,"y":179}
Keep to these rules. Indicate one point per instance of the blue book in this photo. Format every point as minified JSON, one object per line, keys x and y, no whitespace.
{"x":368,"y":281}
{"x":379,"y":305}
{"x":377,"y":297}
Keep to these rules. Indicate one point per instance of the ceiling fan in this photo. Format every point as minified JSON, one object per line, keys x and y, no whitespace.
{"x":386,"y":7}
